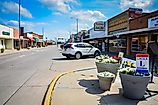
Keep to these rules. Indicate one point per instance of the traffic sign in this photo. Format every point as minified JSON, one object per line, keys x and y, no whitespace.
{"x":142,"y":63}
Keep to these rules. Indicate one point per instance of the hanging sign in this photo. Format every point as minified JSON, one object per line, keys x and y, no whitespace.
{"x":99,"y":26}
{"x":142,"y":63}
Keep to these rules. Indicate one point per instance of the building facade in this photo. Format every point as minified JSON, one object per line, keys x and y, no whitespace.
{"x":97,"y":36}
{"x":6,"y":37}
{"x":133,"y":34}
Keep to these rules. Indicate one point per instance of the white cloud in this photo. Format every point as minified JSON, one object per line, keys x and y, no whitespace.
{"x":61,"y":33}
{"x":60,"y":5}
{"x":57,"y":13}
{"x":81,"y":26}
{"x":28,"y":25}
{"x":12,"y":7}
{"x":86,"y":19}
{"x":144,"y":4}
{"x":88,"y":15}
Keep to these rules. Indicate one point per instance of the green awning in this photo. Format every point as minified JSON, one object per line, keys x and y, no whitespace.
{"x":36,"y":39}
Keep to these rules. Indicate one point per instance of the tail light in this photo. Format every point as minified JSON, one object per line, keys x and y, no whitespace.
{"x":71,"y":46}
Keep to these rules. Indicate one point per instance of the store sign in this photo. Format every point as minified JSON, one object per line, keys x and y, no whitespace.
{"x":99,"y":26}
{"x":5,"y":33}
{"x":153,"y":22}
{"x":135,"y":12}
{"x":142,"y":63}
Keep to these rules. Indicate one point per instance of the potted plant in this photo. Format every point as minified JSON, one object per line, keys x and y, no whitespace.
{"x":105,"y":80}
{"x":2,"y":50}
{"x":106,"y":63}
{"x":134,"y":84}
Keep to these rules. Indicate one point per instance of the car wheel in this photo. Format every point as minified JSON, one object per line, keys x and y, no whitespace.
{"x":97,"y":53}
{"x":78,"y":55}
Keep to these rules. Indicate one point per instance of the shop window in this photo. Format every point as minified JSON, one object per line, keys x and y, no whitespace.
{"x":139,"y":44}
{"x":120,"y":43}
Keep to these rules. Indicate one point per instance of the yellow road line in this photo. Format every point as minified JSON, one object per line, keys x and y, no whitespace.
{"x":51,"y":88}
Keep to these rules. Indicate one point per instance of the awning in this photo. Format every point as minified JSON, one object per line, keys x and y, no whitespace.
{"x":36,"y":39}
{"x":31,"y":39}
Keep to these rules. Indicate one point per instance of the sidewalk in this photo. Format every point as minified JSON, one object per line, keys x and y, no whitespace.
{"x":82,"y":88}
{"x":8,"y":52}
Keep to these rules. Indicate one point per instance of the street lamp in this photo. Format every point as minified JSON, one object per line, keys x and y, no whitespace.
{"x":19,"y":24}
{"x":76,"y":24}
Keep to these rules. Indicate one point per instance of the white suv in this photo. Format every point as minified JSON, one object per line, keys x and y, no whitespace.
{"x":78,"y":50}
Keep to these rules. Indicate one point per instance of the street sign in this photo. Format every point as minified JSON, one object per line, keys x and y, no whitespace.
{"x":142,"y":63}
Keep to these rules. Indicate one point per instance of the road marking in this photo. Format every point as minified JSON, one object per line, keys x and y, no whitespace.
{"x":48,"y":97}
{"x":22,"y":56}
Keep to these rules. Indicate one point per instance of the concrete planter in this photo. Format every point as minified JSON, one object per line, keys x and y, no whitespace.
{"x":105,"y":81}
{"x":2,"y":50}
{"x":110,"y":67}
{"x":134,"y":87}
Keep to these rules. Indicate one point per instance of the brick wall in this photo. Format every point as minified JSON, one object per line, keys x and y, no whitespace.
{"x":16,"y":33}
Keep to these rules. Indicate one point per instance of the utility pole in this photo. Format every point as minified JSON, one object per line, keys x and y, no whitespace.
{"x":19,"y":26}
{"x":77,"y":25}
{"x":42,"y":31}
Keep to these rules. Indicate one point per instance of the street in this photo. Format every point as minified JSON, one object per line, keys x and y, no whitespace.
{"x":25,"y":76}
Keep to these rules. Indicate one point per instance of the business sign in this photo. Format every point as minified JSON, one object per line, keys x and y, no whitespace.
{"x":5,"y":33}
{"x":99,"y":26}
{"x":142,"y":63}
{"x":135,"y":12}
{"x":153,"y":22}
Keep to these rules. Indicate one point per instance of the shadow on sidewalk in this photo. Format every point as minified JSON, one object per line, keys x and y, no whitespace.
{"x":60,"y":59}
{"x":71,"y":58}
{"x":116,"y":99}
{"x":92,"y":86}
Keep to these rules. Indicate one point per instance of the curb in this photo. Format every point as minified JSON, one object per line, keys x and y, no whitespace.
{"x":49,"y":93}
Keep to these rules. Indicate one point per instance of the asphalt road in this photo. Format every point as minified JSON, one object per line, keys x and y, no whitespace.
{"x":25,"y":76}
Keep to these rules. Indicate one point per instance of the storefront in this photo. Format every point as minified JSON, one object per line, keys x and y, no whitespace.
{"x":6,"y":37}
{"x":98,"y":36}
{"x":36,"y":40}
{"x":29,"y":38}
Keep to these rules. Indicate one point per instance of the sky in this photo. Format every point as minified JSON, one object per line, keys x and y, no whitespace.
{"x":58,"y":17}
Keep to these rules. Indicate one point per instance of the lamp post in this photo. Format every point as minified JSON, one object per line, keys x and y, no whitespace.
{"x":77,"y":24}
{"x":19,"y":25}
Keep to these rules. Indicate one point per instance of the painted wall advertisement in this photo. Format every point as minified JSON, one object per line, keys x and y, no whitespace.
{"x":153,"y":22}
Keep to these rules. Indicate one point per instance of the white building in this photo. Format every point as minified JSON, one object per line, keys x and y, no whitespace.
{"x":6,"y":37}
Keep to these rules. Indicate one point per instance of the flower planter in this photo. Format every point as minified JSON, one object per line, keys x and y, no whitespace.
{"x":134,"y":87}
{"x":105,"y":80}
{"x":110,"y":67}
{"x":2,"y":50}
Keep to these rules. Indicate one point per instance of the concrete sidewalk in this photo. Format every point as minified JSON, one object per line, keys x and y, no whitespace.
{"x":82,"y":88}
{"x":8,"y":52}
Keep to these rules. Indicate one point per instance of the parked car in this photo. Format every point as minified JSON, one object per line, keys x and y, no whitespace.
{"x":78,"y":50}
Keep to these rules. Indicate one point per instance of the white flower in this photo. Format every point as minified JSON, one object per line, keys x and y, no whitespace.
{"x":106,"y":74}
